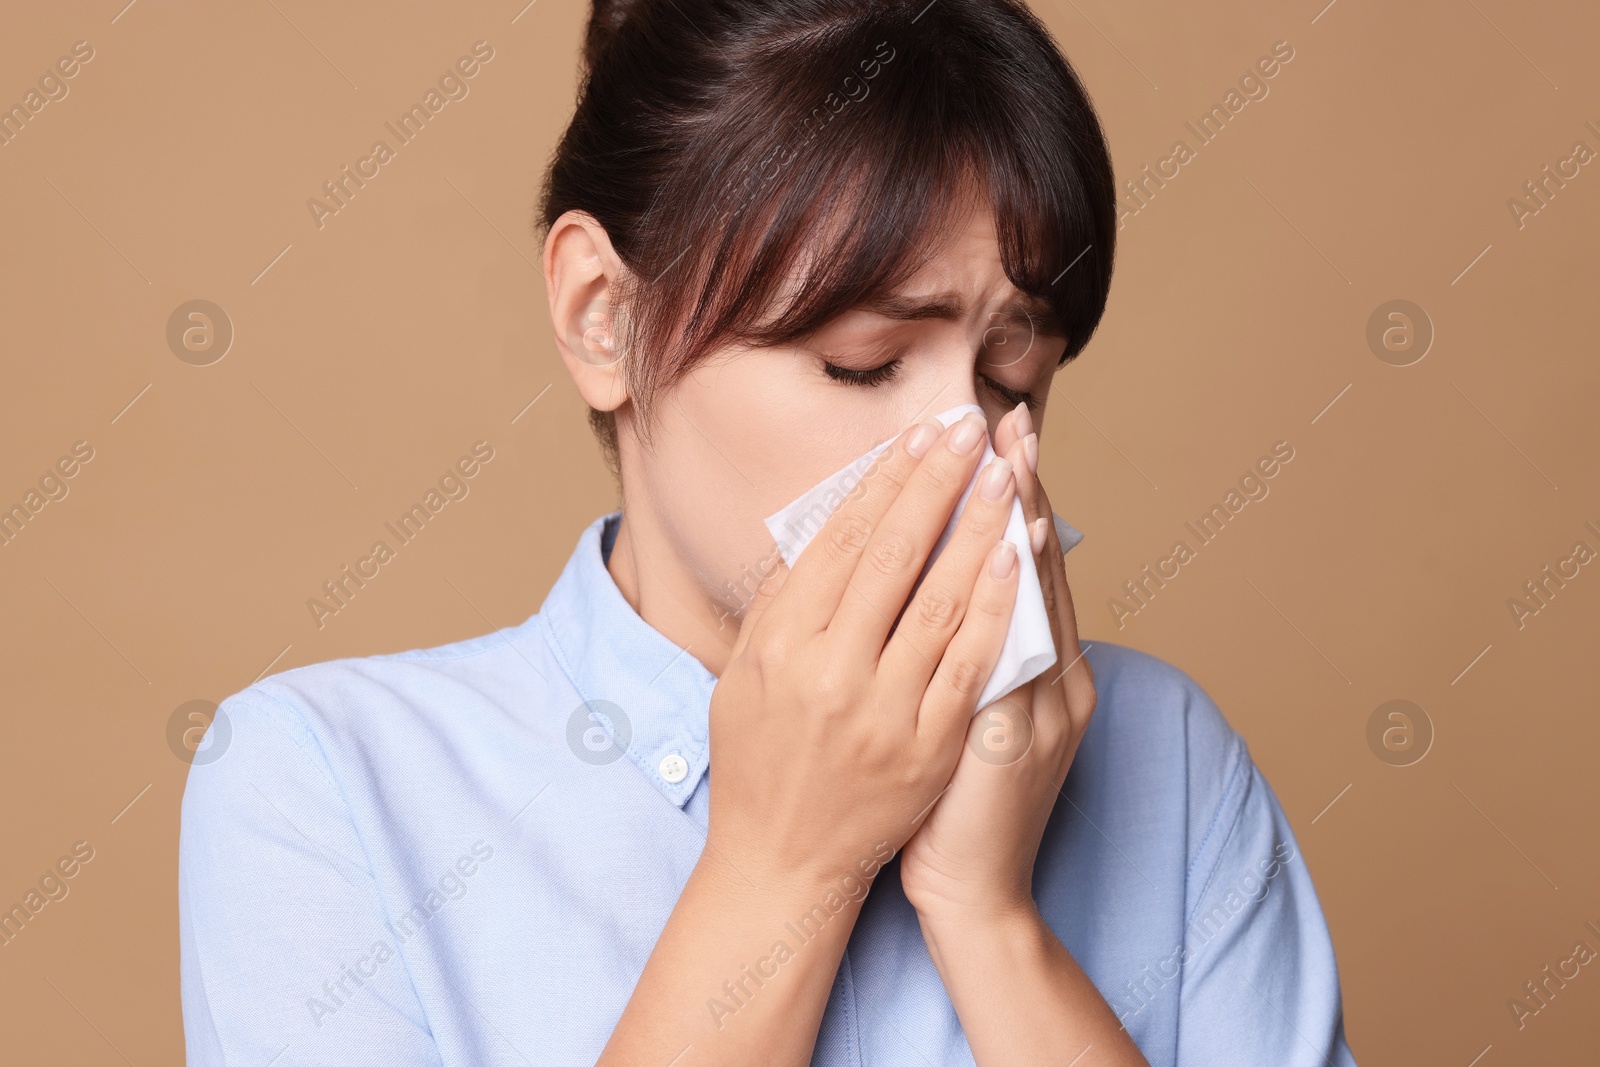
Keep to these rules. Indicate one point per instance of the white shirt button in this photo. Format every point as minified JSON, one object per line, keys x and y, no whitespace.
{"x":674,"y":768}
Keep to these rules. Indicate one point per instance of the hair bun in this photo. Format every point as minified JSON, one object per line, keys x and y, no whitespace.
{"x":606,"y":17}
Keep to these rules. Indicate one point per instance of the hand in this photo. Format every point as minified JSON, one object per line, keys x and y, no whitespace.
{"x":973,"y":856}
{"x":832,"y":737}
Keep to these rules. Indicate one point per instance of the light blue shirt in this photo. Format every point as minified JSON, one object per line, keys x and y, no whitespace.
{"x":443,"y":857}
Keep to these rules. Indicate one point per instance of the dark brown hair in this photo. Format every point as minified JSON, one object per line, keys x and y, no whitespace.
{"x":762,"y":166}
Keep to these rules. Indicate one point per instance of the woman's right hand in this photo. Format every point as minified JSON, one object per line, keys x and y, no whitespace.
{"x":830,"y":741}
{"x":831,"y":738}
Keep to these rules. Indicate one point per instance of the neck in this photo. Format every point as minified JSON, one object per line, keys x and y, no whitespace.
{"x":656,"y":585}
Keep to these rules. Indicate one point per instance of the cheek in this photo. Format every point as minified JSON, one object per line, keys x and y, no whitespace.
{"x":741,"y":432}
{"x":778,"y":427}
{"x":714,"y":471}
{"x":735,"y":441}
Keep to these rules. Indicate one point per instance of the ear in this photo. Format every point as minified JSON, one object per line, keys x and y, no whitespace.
{"x":581,"y":272}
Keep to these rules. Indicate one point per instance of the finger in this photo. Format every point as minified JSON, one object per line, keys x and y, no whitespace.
{"x":1050,"y":560}
{"x":894,"y":555}
{"x":1017,"y":424}
{"x":1072,"y":674}
{"x":817,"y":582}
{"x":936,"y":609}
{"x":771,"y":577}
{"x":969,"y":659}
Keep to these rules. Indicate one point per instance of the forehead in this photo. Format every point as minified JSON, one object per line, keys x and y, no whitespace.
{"x":962,"y":277}
{"x":963,"y":255}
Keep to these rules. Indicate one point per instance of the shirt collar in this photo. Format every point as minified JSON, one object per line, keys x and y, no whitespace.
{"x":641,"y":696}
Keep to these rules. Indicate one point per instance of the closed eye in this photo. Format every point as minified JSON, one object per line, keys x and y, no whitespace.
{"x":872,"y":376}
{"x":886,"y":372}
{"x":1010,"y":396}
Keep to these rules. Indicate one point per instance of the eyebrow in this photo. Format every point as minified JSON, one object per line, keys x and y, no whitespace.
{"x":1026,"y":311}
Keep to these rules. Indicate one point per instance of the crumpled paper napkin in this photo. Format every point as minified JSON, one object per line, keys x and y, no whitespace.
{"x":1029,"y":649}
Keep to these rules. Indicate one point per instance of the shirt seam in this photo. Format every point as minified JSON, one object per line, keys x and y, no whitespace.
{"x":199,"y":962}
{"x":440,"y":653}
{"x":1236,"y":783}
{"x":852,"y":1016}
{"x":355,"y":827}
{"x":478,"y":646}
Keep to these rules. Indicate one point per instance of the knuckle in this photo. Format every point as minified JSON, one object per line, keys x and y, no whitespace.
{"x":908,"y":776}
{"x":1088,"y":671}
{"x":1085,"y":697}
{"x":847,"y":533}
{"x":937,"y":609}
{"x":963,"y":675}
{"x":891,"y":554}
{"x":773,"y":650}
{"x":1052,"y":735}
{"x":1035,"y":502}
{"x":1048,"y":588}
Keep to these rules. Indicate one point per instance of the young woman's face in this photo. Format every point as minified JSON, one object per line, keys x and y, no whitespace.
{"x":747,"y":431}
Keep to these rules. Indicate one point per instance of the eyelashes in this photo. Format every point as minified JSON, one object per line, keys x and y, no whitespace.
{"x":886,"y":372}
{"x":875,"y":376}
{"x":883,"y":372}
{"x":1012,"y":397}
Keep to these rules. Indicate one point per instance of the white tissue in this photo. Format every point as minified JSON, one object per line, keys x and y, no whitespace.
{"x":1029,"y":649}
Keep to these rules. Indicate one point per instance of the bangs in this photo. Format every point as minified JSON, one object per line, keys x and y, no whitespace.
{"x":837,"y":160}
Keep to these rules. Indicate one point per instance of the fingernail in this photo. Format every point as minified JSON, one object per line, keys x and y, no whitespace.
{"x":1030,"y":450}
{"x":1036,"y":532}
{"x":921,"y":438}
{"x":968,"y":432}
{"x":996,"y":479}
{"x":1024,"y":420}
{"x":1003,"y":560}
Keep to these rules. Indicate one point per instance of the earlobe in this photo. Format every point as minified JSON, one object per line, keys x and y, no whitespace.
{"x":581,"y":271}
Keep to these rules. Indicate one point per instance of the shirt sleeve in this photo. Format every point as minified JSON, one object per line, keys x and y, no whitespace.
{"x":286,"y":956}
{"x":1260,"y":984}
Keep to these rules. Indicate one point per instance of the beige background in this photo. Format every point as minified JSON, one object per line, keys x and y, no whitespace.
{"x":373,"y":351}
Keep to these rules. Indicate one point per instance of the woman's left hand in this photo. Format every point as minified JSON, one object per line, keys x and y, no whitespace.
{"x":973,"y":855}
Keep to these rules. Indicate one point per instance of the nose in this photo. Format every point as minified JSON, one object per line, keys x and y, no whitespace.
{"x":951,"y":383}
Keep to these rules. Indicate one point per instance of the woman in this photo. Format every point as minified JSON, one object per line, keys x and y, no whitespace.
{"x":776,"y":235}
